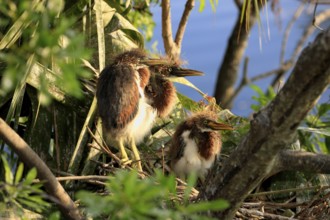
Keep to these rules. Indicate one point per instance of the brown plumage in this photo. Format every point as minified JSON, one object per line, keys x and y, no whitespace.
{"x":195,"y":144}
{"x":131,"y":92}
{"x":126,"y":116}
{"x":161,"y":95}
{"x":160,"y":92}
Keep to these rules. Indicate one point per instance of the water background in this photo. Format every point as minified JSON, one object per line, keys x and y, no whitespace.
{"x":206,"y":36}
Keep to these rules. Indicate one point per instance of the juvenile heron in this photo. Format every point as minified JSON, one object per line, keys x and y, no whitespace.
{"x":195,"y":144}
{"x":160,"y":91}
{"x":127,"y":115}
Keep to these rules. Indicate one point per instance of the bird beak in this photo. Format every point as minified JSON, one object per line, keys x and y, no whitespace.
{"x":219,"y":126}
{"x":181,"y":72}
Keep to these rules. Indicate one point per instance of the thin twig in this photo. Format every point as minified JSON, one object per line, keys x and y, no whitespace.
{"x":173,"y":47}
{"x":183,"y":23}
{"x":57,"y":149}
{"x":245,"y":80}
{"x":287,"y":31}
{"x":89,"y":177}
{"x":272,"y":204}
{"x":255,"y":214}
{"x":288,"y":190}
{"x":105,"y":149}
{"x":321,"y":17}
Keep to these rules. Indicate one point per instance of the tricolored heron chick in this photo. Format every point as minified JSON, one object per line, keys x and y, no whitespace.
{"x":127,"y":116}
{"x":195,"y":144}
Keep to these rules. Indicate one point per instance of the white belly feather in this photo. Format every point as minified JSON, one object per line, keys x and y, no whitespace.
{"x":191,"y":161}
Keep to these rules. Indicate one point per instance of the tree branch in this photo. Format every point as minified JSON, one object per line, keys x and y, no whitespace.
{"x":302,"y":161}
{"x":228,"y":72}
{"x":167,"y":35}
{"x":183,"y":23}
{"x":272,"y":129}
{"x":288,"y":28}
{"x":30,"y":158}
{"x":321,"y":17}
{"x":173,"y":48}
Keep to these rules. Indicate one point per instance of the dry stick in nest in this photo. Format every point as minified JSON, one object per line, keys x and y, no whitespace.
{"x":314,"y":202}
{"x":255,"y":214}
{"x":112,"y":155}
{"x":301,"y":189}
{"x":104,"y":149}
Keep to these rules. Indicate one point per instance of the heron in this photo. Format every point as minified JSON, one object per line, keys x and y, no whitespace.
{"x":127,"y":109}
{"x":196,"y":144}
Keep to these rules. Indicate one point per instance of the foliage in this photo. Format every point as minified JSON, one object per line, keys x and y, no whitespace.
{"x":315,"y":135}
{"x":37,"y":32}
{"x":151,"y":198}
{"x":18,"y":192}
{"x":263,"y":98}
{"x":213,"y":3}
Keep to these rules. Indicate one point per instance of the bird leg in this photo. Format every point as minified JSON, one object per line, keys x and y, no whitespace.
{"x":136,"y":155}
{"x":124,"y":158}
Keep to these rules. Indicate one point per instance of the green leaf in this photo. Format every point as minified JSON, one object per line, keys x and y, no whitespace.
{"x":95,"y":203}
{"x":188,"y":103}
{"x":201,"y":5}
{"x":17,"y":100}
{"x":323,"y":131}
{"x":31,"y":204}
{"x":323,"y":108}
{"x":257,"y":89}
{"x":327,"y":143}
{"x":186,"y":82}
{"x":55,"y":216}
{"x":19,"y":173}
{"x":32,"y":174}
{"x":8,"y":174}
{"x":213,"y":4}
{"x":204,"y":206}
{"x":15,"y":31}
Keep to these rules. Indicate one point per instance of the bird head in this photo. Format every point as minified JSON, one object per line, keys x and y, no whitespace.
{"x":133,"y":56}
{"x":169,"y":68}
{"x":207,"y":121}
{"x":208,"y":124}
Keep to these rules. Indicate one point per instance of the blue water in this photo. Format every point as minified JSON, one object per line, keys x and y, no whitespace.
{"x":205,"y":42}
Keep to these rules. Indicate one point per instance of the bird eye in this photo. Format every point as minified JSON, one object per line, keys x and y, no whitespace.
{"x":170,"y":69}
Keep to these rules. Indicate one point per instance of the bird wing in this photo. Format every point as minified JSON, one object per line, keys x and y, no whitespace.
{"x":178,"y":145}
{"x":209,"y":144}
{"x":117,"y":95}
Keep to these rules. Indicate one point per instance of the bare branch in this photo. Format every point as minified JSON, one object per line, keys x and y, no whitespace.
{"x":287,"y":31}
{"x":272,"y":129}
{"x":228,"y":72}
{"x":245,"y":81}
{"x":30,"y":158}
{"x":255,"y":214}
{"x":238,"y":3}
{"x":302,"y":161}
{"x":285,"y":65}
{"x":321,"y":17}
{"x":167,"y":27}
{"x":173,"y":48}
{"x":183,"y":23}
